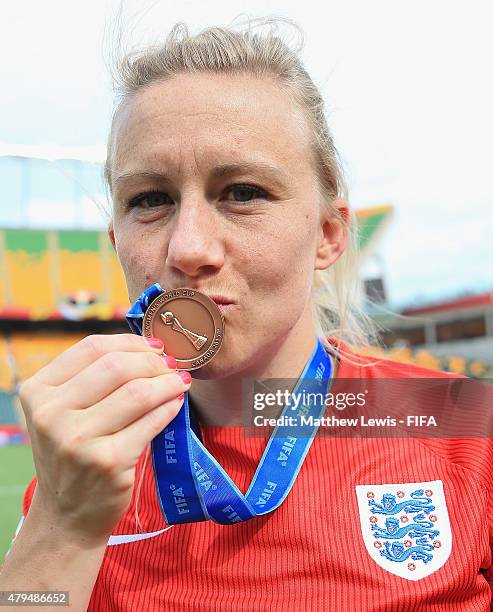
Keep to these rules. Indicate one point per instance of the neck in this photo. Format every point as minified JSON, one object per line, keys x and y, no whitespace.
{"x":225,"y":402}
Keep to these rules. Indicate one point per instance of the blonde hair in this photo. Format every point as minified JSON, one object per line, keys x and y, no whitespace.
{"x":336,"y":295}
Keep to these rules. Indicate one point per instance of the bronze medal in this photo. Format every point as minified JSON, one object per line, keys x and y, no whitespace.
{"x":190,"y":325}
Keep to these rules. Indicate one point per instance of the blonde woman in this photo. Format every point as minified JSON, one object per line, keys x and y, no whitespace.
{"x":224,"y":179}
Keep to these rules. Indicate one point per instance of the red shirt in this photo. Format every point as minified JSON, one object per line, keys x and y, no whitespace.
{"x":310,"y":553}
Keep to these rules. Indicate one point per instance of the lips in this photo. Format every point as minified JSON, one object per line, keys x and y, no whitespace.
{"x":223,"y":303}
{"x":224,"y":308}
{"x":219,"y":299}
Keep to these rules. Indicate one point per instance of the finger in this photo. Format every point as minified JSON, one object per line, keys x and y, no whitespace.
{"x":87,"y":351}
{"x":107,"y":374}
{"x":132,"y":401}
{"x":131,"y":441}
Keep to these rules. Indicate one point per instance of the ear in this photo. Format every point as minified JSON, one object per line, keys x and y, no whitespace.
{"x":111,"y":235}
{"x":333,"y":236}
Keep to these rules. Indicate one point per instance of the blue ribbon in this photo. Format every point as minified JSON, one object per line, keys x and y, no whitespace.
{"x":192,"y":486}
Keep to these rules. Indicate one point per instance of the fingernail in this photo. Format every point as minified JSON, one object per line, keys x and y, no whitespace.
{"x":154,"y":342}
{"x":185,"y":376}
{"x":170,"y":361}
{"x":181,"y":396}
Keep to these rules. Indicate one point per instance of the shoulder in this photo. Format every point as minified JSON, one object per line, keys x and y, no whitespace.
{"x":356,"y":363}
{"x":461,"y":407}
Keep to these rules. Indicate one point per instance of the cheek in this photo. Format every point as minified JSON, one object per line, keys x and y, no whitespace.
{"x":138,"y":259}
{"x":283,"y":258}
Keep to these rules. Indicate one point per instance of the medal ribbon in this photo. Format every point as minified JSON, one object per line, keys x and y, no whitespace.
{"x":192,"y":486}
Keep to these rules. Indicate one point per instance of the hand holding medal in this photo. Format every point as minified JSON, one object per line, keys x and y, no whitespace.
{"x":191,"y":485}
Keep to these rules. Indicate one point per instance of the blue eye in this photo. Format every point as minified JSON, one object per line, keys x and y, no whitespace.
{"x":243,"y":190}
{"x":149,"y":199}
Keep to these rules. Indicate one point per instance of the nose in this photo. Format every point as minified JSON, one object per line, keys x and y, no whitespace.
{"x":195,"y":247}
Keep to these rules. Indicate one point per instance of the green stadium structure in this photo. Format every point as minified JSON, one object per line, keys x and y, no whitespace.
{"x":59,"y":274}
{"x":372,"y":224}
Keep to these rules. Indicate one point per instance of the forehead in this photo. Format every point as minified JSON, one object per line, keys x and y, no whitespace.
{"x":212,"y":118}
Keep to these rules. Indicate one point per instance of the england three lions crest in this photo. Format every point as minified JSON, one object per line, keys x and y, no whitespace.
{"x":406,"y":527}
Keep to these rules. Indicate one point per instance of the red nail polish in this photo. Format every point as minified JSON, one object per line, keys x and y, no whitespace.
{"x":170,"y":361}
{"x":181,"y":396}
{"x":154,"y":342}
{"x":185,"y":376}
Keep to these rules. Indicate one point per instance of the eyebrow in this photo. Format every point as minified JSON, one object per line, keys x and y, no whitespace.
{"x":221,"y":171}
{"x":245,"y":167}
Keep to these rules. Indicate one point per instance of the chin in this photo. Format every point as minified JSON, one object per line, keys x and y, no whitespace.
{"x":214,"y":370}
{"x":221,"y":366}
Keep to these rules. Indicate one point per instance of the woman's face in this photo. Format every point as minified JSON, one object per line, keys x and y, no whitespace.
{"x":214,"y":188}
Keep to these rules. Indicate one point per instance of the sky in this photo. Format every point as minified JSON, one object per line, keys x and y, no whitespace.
{"x":409,"y":99}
